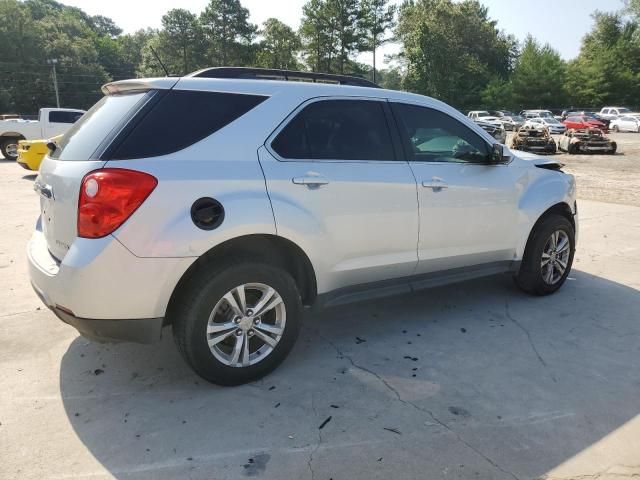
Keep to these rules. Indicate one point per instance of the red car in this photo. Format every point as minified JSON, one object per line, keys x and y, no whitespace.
{"x":585,"y":122}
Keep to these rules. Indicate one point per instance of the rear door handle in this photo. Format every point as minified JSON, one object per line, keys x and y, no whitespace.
{"x":436,"y":184}
{"x":311,"y":181}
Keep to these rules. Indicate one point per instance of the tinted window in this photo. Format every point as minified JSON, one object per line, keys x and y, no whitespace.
{"x":84,"y":138}
{"x":182,"y":118}
{"x":337,"y":130}
{"x":433,"y":136}
{"x":64,"y":117}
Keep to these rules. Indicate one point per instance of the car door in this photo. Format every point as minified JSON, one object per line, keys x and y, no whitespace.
{"x":628,"y":124}
{"x":468,"y":206}
{"x":340,"y":190}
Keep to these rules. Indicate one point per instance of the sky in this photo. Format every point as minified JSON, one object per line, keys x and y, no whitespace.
{"x":561,"y":23}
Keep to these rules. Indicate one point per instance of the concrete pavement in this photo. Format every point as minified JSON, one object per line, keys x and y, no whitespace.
{"x":475,"y":380}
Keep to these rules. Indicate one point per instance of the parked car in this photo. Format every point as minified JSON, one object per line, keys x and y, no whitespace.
{"x":534,"y":138}
{"x":485,"y":117}
{"x":512,"y":123}
{"x":584,"y":122}
{"x":589,"y":114}
{"x":527,"y":114}
{"x":555,"y":127}
{"x":32,"y":152}
{"x":157,"y":212}
{"x":499,"y":133}
{"x":586,"y":140}
{"x":625,"y":124}
{"x":51,"y":122}
{"x":614,"y":112}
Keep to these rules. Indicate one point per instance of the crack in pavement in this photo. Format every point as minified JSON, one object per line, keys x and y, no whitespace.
{"x":528,"y":334}
{"x":416,"y":407}
{"x":312,"y":452}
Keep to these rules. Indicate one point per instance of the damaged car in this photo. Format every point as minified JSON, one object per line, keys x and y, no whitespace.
{"x":499,"y":133}
{"x":534,"y":138}
{"x":586,"y":140}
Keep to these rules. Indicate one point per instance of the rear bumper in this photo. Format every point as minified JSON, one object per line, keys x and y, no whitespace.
{"x":142,"y":330}
{"x":103,"y":290}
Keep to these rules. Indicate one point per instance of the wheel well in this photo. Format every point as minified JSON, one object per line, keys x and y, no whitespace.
{"x":6,"y":136}
{"x":558,"y":209}
{"x":271,"y":249}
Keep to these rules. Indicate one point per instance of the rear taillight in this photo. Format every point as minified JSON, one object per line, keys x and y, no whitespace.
{"x":108,"y":197}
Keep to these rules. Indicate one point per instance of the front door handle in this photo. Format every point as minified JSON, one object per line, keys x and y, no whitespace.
{"x":311,"y":181}
{"x":436,"y":184}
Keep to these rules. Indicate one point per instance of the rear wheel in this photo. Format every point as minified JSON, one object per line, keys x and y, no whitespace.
{"x":548,"y":256}
{"x":236,"y":324}
{"x":615,"y":129}
{"x":614,"y":148}
{"x":9,"y":148}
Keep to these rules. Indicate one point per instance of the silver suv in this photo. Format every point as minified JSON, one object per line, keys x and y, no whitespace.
{"x":225,"y":202}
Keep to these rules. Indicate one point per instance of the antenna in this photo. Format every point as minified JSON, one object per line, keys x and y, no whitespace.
{"x":166,"y":72}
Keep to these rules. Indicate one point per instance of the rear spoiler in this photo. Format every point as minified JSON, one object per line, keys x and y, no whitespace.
{"x":137,"y":85}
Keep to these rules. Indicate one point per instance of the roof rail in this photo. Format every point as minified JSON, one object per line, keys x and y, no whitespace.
{"x":276,"y":74}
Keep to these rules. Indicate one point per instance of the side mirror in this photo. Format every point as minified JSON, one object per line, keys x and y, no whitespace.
{"x":497,"y":154}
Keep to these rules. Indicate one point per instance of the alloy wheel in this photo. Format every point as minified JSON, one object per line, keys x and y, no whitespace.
{"x":246,"y":324}
{"x":555,"y":257}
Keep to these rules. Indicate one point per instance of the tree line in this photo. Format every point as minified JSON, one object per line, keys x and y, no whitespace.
{"x":449,"y":50}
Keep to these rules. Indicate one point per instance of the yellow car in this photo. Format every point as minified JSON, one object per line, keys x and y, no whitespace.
{"x":32,"y":152}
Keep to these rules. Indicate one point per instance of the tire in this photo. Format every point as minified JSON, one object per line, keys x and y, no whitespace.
{"x":533,"y":278}
{"x":572,"y":149}
{"x":9,"y":148}
{"x":614,"y":148}
{"x":203,"y":294}
{"x":615,"y":129}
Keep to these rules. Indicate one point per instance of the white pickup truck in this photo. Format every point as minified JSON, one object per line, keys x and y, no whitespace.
{"x":51,"y":122}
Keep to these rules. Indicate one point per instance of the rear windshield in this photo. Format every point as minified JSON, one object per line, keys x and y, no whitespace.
{"x":103,"y":119}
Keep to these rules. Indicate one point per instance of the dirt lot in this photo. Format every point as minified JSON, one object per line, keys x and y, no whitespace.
{"x":608,"y":178}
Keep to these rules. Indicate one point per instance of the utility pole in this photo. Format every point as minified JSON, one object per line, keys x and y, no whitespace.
{"x":53,"y":63}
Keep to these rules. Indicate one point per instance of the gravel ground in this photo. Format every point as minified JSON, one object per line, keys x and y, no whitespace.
{"x":608,"y":178}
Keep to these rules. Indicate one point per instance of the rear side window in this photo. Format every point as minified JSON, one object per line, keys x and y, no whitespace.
{"x":64,"y":117}
{"x":86,"y":136}
{"x":181,"y":118}
{"x":337,"y":130}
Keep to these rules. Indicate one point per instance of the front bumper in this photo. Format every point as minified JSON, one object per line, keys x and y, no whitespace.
{"x":103,"y":290}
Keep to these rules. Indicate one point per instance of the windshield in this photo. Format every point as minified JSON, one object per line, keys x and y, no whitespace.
{"x":484,"y":114}
{"x":551,"y":121}
{"x":87,"y":134}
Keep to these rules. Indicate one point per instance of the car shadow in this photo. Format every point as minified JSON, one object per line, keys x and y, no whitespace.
{"x":477,"y":378}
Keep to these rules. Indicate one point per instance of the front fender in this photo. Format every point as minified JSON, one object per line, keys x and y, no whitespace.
{"x":544,"y":189}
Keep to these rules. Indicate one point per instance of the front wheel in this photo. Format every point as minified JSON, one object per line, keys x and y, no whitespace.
{"x":237,"y":324}
{"x":548,"y":256}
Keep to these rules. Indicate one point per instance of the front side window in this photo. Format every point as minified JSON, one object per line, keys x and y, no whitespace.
{"x":337,"y":130}
{"x":433,"y":136}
